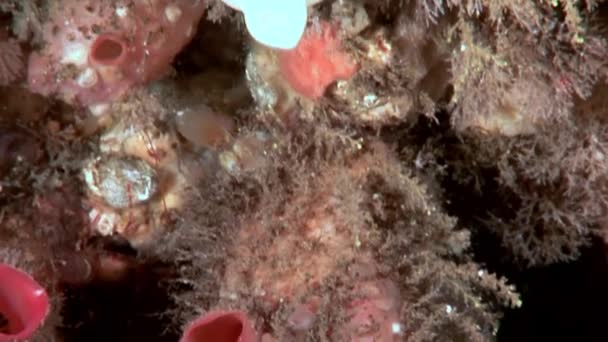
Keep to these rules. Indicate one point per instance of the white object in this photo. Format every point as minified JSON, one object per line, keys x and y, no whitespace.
{"x":275,"y":23}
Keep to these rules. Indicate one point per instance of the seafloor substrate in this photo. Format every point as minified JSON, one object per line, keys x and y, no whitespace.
{"x":411,"y":171}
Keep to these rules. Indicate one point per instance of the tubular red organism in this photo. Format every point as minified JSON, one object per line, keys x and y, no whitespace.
{"x":220,"y":326}
{"x":24,"y":304}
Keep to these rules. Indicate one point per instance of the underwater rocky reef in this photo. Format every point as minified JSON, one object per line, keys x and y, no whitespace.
{"x":303,"y":170}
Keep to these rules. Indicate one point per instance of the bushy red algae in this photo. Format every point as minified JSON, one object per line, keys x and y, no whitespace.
{"x":312,"y":256}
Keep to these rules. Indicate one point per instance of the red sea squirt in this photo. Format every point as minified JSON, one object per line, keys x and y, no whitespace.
{"x":221,"y":326}
{"x":24,"y":305}
{"x":95,"y":51}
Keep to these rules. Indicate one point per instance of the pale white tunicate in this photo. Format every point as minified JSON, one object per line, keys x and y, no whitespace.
{"x":275,"y":23}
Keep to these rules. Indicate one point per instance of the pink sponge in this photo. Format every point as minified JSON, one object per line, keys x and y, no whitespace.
{"x":95,"y":51}
{"x":316,"y":62}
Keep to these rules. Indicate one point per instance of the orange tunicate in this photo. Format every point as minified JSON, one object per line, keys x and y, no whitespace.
{"x":316,"y":62}
{"x":204,"y":127}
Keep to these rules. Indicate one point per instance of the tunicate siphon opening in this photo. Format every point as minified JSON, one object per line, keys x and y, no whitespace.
{"x":3,"y":324}
{"x":221,"y":327}
{"x":224,"y":328}
{"x":9,"y":327}
{"x":108,"y":50}
{"x":23,"y":305}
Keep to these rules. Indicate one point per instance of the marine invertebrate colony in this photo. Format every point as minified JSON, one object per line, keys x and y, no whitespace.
{"x":95,"y":51}
{"x":302,"y":170}
{"x":303,"y":259}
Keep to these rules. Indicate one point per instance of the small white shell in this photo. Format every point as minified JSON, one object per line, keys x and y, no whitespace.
{"x":173,"y":13}
{"x":122,"y":11}
{"x":121,"y":181}
{"x":87,"y":78}
{"x":103,"y":223}
{"x":75,"y":53}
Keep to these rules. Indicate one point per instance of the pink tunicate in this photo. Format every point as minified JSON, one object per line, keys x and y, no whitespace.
{"x":24,"y":305}
{"x":95,"y":51}
{"x":221,"y":326}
